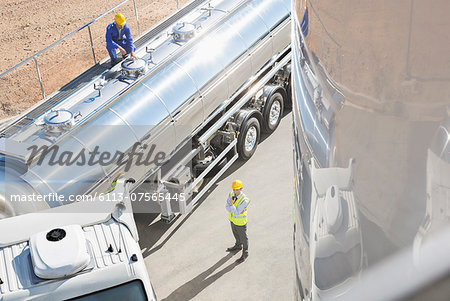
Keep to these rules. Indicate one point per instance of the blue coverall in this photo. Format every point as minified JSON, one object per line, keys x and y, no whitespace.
{"x":113,"y":41}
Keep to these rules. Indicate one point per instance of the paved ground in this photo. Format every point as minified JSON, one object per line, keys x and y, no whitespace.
{"x":187,"y":260}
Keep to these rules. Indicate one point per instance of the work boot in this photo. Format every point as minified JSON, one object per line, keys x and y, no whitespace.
{"x":242,"y":258}
{"x":234,"y":248}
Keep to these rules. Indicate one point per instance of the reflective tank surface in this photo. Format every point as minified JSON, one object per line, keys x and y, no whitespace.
{"x":160,"y":100}
{"x":371,"y":108}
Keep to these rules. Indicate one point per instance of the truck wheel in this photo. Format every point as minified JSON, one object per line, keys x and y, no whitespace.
{"x":248,"y":138}
{"x":273,"y":111}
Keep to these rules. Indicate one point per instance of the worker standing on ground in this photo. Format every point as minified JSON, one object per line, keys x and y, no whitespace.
{"x":118,"y":36}
{"x":236,"y":206}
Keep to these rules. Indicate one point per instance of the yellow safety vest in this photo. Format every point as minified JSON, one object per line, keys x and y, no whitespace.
{"x":241,"y":219}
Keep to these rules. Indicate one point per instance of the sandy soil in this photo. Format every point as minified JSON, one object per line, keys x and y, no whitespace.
{"x":28,"y":26}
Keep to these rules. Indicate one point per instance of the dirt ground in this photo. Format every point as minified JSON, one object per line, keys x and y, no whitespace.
{"x":29,"y":26}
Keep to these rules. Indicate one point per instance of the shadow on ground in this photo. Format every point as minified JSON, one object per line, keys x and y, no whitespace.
{"x":194,"y":286}
{"x":150,"y":234}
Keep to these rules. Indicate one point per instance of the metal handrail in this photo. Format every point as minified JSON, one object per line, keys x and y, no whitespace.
{"x":79,"y":29}
{"x":88,"y":25}
{"x":63,"y":38}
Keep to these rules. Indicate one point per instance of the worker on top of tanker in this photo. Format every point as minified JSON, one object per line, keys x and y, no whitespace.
{"x":118,"y":36}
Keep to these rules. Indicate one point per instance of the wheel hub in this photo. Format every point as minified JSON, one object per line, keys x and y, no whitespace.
{"x":250,"y":138}
{"x":274,"y":114}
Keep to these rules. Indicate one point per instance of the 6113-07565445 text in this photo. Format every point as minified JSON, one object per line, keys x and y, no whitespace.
{"x":100,"y":197}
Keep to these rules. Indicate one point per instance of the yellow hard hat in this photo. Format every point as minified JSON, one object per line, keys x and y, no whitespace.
{"x":120,"y":19}
{"x":237,"y":184}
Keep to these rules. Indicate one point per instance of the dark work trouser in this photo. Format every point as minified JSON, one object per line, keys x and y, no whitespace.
{"x":240,"y":234}
{"x":123,"y":44}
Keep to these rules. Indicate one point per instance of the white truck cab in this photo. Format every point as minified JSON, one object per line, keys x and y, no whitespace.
{"x":68,"y":253}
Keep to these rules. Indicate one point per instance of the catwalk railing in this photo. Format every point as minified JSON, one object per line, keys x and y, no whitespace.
{"x":68,"y":57}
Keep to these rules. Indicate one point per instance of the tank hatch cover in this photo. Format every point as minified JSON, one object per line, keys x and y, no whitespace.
{"x":183,"y":32}
{"x":134,"y":68}
{"x":58,"y":121}
{"x":59,"y":252}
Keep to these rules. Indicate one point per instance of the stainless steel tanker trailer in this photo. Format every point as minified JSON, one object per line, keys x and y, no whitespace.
{"x":199,"y":96}
{"x":208,"y":80}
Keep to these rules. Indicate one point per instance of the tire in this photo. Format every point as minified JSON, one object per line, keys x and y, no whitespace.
{"x":272,"y":113}
{"x":248,"y":138}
